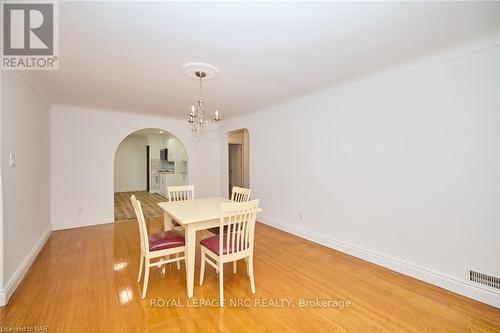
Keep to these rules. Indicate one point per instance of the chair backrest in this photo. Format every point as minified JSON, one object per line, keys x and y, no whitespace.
{"x":143,"y":231}
{"x":240,"y":194}
{"x":239,"y":217}
{"x":180,"y":193}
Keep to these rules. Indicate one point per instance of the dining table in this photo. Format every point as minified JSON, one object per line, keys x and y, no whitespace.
{"x":192,"y":215}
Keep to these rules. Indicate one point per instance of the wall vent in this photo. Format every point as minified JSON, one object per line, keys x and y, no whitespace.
{"x":485,"y":279}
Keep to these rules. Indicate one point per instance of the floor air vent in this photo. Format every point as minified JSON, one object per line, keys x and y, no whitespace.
{"x":485,"y":279}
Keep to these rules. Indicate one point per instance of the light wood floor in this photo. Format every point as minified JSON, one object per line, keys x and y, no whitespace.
{"x":125,"y":211}
{"x":84,"y":280}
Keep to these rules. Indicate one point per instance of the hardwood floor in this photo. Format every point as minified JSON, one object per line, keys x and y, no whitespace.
{"x":125,"y":211}
{"x":84,"y":280}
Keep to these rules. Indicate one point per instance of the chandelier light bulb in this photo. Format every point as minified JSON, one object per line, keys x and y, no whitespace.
{"x":216,"y":115}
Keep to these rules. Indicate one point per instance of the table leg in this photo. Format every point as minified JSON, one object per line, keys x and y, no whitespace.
{"x":167,"y":222}
{"x":190,"y":234}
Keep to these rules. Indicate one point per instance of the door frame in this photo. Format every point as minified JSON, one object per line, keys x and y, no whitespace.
{"x":229,"y":145}
{"x":239,"y":136}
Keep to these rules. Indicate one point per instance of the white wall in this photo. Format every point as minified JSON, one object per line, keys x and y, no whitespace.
{"x":84,"y":142}
{"x":130,"y":165}
{"x":25,"y":131}
{"x":404,"y":172}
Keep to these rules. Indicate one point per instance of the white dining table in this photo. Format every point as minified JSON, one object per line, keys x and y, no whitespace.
{"x":192,"y":215}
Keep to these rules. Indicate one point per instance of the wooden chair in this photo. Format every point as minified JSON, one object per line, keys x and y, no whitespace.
{"x":239,"y":194}
{"x":237,"y":243}
{"x":180,"y":193}
{"x":159,"y":245}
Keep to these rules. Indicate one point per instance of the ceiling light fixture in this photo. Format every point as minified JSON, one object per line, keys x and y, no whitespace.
{"x":201,"y":72}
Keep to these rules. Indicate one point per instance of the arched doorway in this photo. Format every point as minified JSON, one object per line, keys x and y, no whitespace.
{"x":146,"y":162}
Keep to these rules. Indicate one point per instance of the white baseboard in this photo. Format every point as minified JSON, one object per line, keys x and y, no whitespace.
{"x":18,"y":276}
{"x":449,"y":283}
{"x":131,"y":189}
{"x":83,"y":222}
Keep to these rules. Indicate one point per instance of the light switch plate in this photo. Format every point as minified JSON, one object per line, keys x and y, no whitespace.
{"x":12,"y":160}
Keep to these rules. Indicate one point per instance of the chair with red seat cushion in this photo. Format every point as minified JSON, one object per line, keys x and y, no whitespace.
{"x":160,"y":245}
{"x":235,"y":244}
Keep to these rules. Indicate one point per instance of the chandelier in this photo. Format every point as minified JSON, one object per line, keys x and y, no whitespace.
{"x":197,"y":118}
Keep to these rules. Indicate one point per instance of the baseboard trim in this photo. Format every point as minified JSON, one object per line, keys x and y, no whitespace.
{"x":18,"y":276}
{"x":83,"y":222}
{"x":441,"y":280}
{"x":130,"y":189}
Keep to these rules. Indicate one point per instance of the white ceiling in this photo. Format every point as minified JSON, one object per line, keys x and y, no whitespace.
{"x":128,"y":55}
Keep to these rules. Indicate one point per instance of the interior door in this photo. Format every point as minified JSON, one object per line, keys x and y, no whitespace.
{"x":235,"y":166}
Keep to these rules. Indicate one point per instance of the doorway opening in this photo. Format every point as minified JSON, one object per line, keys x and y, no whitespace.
{"x":146,"y":163}
{"x":238,"y":159}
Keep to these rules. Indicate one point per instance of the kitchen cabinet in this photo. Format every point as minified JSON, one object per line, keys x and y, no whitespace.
{"x":167,"y":179}
{"x":163,"y":184}
{"x":155,"y":182}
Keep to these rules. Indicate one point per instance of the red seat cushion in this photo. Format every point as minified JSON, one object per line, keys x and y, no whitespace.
{"x":212,"y":243}
{"x":165,"y":240}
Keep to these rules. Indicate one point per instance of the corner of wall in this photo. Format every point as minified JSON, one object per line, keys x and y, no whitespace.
{"x":18,"y":276}
{"x":2,"y":298}
{"x":2,"y":294}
